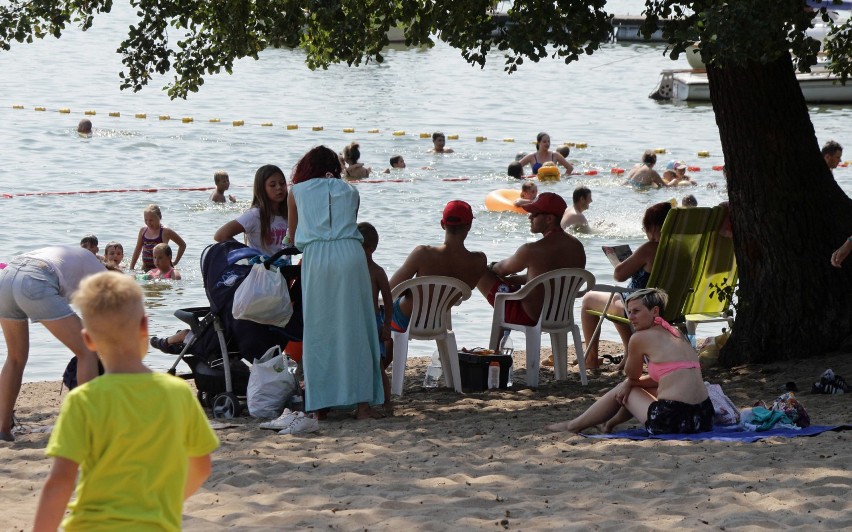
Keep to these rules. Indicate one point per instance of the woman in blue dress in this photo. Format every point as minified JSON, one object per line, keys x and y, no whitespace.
{"x":340,"y":341}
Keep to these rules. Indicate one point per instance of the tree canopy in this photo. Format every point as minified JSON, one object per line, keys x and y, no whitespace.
{"x":197,"y":38}
{"x":788,"y":213}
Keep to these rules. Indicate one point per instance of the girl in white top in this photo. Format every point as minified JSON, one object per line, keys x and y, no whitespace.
{"x":265,"y":223}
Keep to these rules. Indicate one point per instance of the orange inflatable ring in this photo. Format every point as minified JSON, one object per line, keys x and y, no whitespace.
{"x":548,"y":173}
{"x":503,"y":200}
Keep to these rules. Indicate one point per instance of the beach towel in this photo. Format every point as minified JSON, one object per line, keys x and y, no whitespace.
{"x":729,"y":433}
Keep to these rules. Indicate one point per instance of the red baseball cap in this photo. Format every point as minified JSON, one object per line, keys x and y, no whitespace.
{"x":547,"y":203}
{"x":457,"y":212}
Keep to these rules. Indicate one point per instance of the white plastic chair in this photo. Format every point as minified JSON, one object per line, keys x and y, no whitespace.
{"x":432,"y":298}
{"x":561,"y":288}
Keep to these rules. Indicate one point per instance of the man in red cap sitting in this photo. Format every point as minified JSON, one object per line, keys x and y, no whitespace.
{"x":451,"y":259}
{"x":555,"y":250}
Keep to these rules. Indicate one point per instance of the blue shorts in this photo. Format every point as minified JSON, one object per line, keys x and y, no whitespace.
{"x":400,"y":320}
{"x":380,"y":321}
{"x":29,"y":288}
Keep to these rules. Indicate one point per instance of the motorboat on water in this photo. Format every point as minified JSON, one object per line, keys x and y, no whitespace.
{"x":691,"y":85}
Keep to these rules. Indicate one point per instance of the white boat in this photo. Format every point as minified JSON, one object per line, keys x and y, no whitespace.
{"x":819,"y":86}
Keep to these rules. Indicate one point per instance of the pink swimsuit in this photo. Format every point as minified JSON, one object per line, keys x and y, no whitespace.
{"x":658,"y":370}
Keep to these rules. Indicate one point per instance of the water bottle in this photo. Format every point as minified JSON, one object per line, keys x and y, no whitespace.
{"x":506,"y":345}
{"x":433,"y":372}
{"x":507,"y":348}
{"x":297,"y":404}
{"x":493,"y":375}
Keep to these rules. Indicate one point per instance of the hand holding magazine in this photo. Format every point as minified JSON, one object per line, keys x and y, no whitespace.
{"x":617,"y":254}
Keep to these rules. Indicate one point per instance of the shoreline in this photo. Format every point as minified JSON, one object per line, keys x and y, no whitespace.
{"x":483,"y":461}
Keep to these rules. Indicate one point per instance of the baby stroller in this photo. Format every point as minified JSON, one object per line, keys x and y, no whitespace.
{"x":219,"y":342}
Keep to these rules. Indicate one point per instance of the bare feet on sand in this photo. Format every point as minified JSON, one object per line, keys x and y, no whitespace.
{"x":365,"y":411}
{"x":565,"y":426}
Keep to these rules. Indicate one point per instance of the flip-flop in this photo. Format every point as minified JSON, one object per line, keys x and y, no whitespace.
{"x":613,"y":359}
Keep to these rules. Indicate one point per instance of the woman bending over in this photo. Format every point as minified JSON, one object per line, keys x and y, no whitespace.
{"x":671,"y":398}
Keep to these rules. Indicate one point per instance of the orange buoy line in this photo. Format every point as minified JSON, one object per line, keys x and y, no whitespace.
{"x":103,"y":191}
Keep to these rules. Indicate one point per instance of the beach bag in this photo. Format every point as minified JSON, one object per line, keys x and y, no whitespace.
{"x":270,"y":384}
{"x":263,"y":298}
{"x":725,"y":411}
{"x":788,"y":405}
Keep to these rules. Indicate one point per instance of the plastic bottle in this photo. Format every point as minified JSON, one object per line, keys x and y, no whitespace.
{"x":507,"y":348}
{"x":433,"y":372}
{"x":297,"y":404}
{"x":493,"y":375}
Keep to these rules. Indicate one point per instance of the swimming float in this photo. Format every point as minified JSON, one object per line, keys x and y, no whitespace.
{"x":548,"y":173}
{"x":503,"y":200}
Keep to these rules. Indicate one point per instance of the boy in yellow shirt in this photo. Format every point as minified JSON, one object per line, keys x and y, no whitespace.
{"x":140,"y":439}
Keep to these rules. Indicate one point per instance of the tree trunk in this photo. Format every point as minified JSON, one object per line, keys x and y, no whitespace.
{"x":788,"y":216}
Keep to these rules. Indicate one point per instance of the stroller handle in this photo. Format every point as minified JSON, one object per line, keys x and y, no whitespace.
{"x":290,"y":250}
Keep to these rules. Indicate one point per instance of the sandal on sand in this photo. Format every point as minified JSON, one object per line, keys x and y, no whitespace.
{"x":613,"y":359}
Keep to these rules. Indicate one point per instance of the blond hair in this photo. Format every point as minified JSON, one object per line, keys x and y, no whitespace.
{"x":152,"y":208}
{"x":111,"y":306}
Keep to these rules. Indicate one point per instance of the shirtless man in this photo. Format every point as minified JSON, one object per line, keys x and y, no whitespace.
{"x":555,"y":250}
{"x":439,"y":143}
{"x":451,"y":259}
{"x":574,"y":218}
{"x":643,"y":174}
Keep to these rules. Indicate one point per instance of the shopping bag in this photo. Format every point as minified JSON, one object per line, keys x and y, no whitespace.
{"x":270,"y":384}
{"x":263,"y":297}
{"x":726,"y":413}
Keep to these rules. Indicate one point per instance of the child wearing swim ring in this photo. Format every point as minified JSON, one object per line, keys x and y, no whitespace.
{"x":265,"y":223}
{"x":152,"y":234}
{"x":529,"y":191}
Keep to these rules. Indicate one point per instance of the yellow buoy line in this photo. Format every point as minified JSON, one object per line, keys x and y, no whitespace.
{"x":295,"y":127}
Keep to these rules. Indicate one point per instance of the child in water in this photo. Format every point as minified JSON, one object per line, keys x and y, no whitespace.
{"x":223,"y":183}
{"x":126,"y":425}
{"x":163,"y":267}
{"x":384,"y":313}
{"x":114,"y":254}
{"x":529,"y":191}
{"x":152,"y":234}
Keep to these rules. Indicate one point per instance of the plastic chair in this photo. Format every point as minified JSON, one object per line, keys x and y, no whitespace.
{"x":432,"y":298}
{"x":561,"y":288}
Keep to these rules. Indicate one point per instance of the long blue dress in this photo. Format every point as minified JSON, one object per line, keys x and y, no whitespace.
{"x":340,"y":340}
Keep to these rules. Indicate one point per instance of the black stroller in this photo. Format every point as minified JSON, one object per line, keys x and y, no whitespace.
{"x":219,"y":342}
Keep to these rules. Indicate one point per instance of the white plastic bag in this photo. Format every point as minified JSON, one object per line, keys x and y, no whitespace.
{"x":726,"y":413}
{"x":270,"y":384}
{"x":263,"y":298}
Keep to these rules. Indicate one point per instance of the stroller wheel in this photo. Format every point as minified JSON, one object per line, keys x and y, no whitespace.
{"x":226,"y":406}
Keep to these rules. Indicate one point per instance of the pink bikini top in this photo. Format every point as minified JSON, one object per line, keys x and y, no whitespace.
{"x":658,"y":370}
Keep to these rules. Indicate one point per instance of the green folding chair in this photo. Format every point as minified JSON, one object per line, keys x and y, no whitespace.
{"x":680,"y":256}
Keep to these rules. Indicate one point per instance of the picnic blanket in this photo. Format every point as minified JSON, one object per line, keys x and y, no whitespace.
{"x":725,"y":433}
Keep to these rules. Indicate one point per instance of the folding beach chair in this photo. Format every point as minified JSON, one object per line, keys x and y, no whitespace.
{"x":680,"y":258}
{"x":718,"y":267}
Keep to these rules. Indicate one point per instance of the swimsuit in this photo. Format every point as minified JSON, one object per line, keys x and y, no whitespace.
{"x":674,"y":417}
{"x":514,"y":309}
{"x":537,"y":164}
{"x":658,"y":370}
{"x":400,"y":321}
{"x":380,"y":320}
{"x":148,"y":249}
{"x":638,"y":281}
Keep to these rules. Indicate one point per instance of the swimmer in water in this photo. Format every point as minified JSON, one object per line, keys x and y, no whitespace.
{"x":529,"y":191}
{"x":543,"y":155}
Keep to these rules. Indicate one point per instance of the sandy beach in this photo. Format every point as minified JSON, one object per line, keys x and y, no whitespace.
{"x":482,"y":461}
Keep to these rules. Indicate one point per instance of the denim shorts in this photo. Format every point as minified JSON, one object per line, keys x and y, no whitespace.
{"x":29,"y":288}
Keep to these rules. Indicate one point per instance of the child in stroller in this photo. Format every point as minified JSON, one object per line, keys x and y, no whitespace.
{"x":216,"y":342}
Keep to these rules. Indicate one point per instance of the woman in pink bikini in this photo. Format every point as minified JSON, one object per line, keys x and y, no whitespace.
{"x":672,"y":397}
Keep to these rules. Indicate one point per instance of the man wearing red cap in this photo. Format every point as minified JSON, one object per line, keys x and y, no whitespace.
{"x":555,"y":250}
{"x":451,"y":259}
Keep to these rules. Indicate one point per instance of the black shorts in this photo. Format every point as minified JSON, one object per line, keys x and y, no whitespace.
{"x":675,"y":417}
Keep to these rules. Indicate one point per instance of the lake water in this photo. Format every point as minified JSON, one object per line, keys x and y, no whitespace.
{"x":601,"y":101}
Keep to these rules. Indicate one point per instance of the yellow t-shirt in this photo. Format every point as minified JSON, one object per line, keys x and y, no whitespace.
{"x":131,"y":435}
